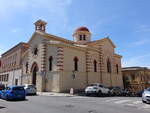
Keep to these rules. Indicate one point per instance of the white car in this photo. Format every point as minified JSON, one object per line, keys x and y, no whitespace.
{"x":30,"y":89}
{"x":97,"y":89}
{"x":146,"y":96}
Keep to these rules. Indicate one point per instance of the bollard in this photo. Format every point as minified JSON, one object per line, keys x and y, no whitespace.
{"x":71,"y":91}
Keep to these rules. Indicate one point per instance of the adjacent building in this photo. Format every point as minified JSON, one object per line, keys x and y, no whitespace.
{"x":11,"y":65}
{"x":136,"y":78}
{"x":56,"y":64}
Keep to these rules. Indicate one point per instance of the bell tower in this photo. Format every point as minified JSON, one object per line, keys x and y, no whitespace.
{"x":82,"y":35}
{"x":40,"y":25}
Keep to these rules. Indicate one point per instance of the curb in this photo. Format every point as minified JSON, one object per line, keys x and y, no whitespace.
{"x":54,"y":94}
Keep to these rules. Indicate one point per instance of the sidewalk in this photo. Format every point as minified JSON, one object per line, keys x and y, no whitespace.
{"x":55,"y":94}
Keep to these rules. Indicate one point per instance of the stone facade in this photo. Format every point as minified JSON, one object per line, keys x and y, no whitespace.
{"x":11,"y":65}
{"x":56,"y":64}
{"x":136,"y":78}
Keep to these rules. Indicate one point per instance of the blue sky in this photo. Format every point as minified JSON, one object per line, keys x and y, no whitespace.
{"x":126,"y":22}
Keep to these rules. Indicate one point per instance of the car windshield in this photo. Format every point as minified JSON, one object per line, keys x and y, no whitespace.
{"x":93,"y":85}
{"x":18,"y":88}
{"x":111,"y":88}
{"x":148,"y":89}
{"x":31,"y":86}
{"x":7,"y":88}
{"x":2,"y":87}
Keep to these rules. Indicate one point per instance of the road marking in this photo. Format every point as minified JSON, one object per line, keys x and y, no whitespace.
{"x":146,"y":106}
{"x":79,"y":97}
{"x":111,"y":100}
{"x":130,"y":105}
{"x":137,"y":102}
{"x":121,"y":101}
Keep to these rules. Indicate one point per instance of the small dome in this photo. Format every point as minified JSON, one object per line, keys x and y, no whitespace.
{"x":82,"y":29}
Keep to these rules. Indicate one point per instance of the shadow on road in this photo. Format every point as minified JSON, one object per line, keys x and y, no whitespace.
{"x":17,"y":100}
{"x":2,"y":107}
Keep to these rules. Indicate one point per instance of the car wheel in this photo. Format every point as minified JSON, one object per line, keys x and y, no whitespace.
{"x":24,"y":98}
{"x":143,"y":101}
{"x":109,"y":94}
{"x":99,"y":93}
{"x":7,"y":98}
{"x":87,"y":94}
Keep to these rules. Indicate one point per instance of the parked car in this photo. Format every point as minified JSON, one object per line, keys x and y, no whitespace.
{"x":2,"y":87}
{"x":116,"y":91}
{"x":125,"y":92}
{"x":30,"y":89}
{"x":13,"y":92}
{"x":139,"y":93}
{"x":97,"y":89}
{"x":146,"y":96}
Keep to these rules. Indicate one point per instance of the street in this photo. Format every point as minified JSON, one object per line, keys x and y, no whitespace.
{"x":75,"y":104}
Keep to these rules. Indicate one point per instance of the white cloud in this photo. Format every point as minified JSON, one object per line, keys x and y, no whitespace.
{"x":2,"y":49}
{"x":141,"y":60}
{"x":8,"y":8}
{"x":15,"y":30}
{"x":143,"y":28}
{"x":50,"y":9}
{"x":139,"y":43}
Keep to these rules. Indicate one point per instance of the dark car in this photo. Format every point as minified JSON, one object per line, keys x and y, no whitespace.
{"x":2,"y":87}
{"x":116,"y":91}
{"x":13,"y":92}
{"x":139,"y":93}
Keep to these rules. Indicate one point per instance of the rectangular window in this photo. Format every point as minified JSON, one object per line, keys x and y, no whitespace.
{"x":4,"y":77}
{"x":50,"y":63}
{"x":95,"y":66}
{"x":75,"y":64}
{"x":117,"y":68}
{"x":7,"y":77}
{"x":16,"y":82}
{"x":80,"y":37}
{"x":84,"y":37}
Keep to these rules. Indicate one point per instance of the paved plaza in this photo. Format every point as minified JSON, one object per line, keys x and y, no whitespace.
{"x":75,"y":104}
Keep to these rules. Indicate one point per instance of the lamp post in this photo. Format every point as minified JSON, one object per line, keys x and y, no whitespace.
{"x":73,"y":75}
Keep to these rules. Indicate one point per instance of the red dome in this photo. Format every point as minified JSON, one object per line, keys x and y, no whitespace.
{"x":82,"y":29}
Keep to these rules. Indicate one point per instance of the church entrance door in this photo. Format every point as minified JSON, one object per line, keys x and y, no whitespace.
{"x":34,"y":73}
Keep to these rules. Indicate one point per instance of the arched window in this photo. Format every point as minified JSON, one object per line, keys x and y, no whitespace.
{"x":27,"y":67}
{"x":108,"y":66}
{"x":50,"y":63}
{"x":35,"y":51}
{"x":76,"y":64}
{"x":117,"y":68}
{"x":95,"y":66}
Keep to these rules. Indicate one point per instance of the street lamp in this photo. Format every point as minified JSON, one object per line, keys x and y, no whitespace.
{"x":73,"y":74}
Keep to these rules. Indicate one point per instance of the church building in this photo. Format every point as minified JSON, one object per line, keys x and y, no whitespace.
{"x":56,"y":64}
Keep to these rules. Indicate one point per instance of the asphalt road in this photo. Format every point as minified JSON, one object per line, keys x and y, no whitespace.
{"x":77,"y":104}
